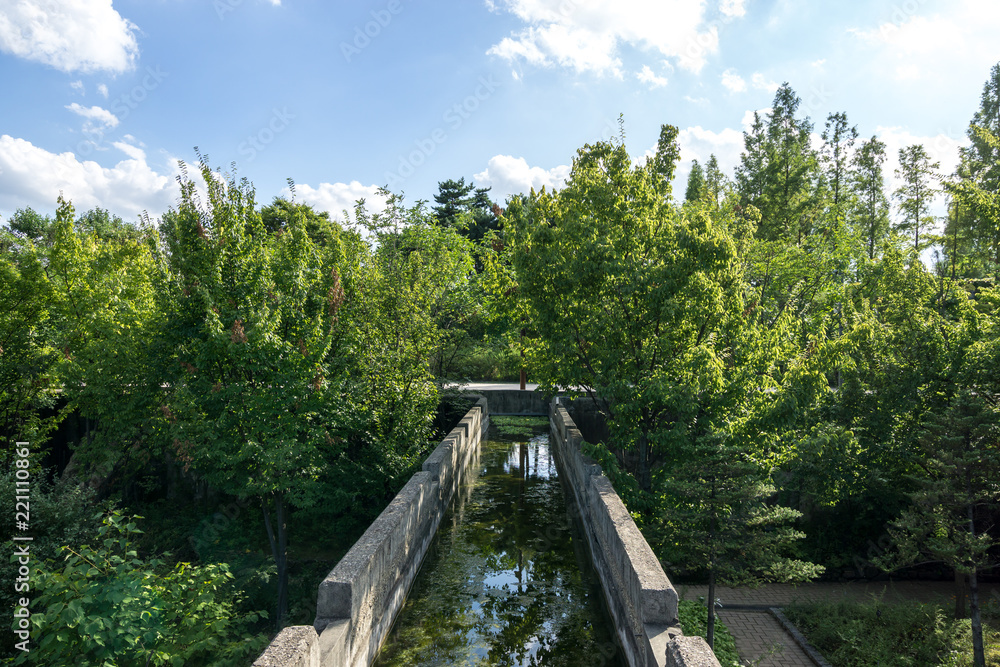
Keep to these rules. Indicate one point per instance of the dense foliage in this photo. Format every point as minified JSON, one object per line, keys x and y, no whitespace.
{"x":799,"y":369}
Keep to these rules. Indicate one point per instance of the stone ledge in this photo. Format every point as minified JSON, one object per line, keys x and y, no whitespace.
{"x":690,"y":652}
{"x":296,"y":646}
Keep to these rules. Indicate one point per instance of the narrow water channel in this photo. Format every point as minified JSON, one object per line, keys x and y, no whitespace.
{"x":507,"y":579}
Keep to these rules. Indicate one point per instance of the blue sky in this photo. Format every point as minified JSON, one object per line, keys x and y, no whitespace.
{"x":101,"y":98}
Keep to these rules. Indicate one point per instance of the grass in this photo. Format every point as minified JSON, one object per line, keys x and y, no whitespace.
{"x":518,"y":427}
{"x":694,"y":622}
{"x":856,"y":634}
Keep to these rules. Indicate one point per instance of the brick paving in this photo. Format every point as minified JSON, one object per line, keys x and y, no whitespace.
{"x":758,"y":634}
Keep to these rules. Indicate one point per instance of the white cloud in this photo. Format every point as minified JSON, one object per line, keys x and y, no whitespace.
{"x":760,"y":82}
{"x":508,"y":175}
{"x":928,"y":47}
{"x":131,"y":150}
{"x":78,"y":87}
{"x":650,"y":78}
{"x":733,"y":8}
{"x":335,"y":198}
{"x":95,"y":114}
{"x":72,"y":36}
{"x":33,"y":176}
{"x":586,"y":36}
{"x":103,"y":90}
{"x":733,"y":81}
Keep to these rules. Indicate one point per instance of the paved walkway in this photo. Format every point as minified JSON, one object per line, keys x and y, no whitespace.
{"x":758,"y":634}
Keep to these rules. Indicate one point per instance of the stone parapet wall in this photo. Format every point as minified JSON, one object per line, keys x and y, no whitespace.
{"x":641,"y":599}
{"x":361,"y":596}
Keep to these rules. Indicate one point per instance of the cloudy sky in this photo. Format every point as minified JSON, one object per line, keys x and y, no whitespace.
{"x":101,"y":98}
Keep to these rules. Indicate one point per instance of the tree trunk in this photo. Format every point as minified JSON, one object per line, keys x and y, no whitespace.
{"x":711,"y":609}
{"x":710,"y":638}
{"x":960,"y":595}
{"x":279,"y":550}
{"x":978,"y":653}
{"x":644,"y":481}
{"x":524,"y":372}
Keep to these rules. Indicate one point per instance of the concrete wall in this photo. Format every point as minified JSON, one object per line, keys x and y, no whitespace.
{"x":359,"y":599}
{"x":361,"y":596}
{"x":641,"y":599}
{"x":516,"y":402}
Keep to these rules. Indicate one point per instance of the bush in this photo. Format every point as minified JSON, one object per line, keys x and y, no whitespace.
{"x":694,"y":622}
{"x":102,"y":605}
{"x":890,"y":635}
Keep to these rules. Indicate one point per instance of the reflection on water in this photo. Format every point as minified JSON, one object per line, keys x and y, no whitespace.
{"x":506,"y":581}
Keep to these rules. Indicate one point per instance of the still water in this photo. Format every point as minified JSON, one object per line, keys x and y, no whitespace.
{"x":507,"y":579}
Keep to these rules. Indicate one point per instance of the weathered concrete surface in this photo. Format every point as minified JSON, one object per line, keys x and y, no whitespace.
{"x":516,"y":402}
{"x":690,"y":652}
{"x":642,"y":601}
{"x":370,"y":583}
{"x":296,"y":646}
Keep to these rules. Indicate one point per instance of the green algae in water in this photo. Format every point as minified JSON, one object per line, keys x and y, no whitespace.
{"x":517,"y":426}
{"x":506,"y":581}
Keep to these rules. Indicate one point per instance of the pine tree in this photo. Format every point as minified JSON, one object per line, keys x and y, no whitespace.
{"x":778,"y":169}
{"x":716,"y":182}
{"x":957,"y":490}
{"x":977,"y":183}
{"x":721,"y":518}
{"x":838,"y":143}
{"x":452,"y":199}
{"x":696,"y":183}
{"x":871,"y":212}
{"x":917,"y":192}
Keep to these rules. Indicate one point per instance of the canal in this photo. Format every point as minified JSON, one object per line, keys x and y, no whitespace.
{"x":507,"y":580}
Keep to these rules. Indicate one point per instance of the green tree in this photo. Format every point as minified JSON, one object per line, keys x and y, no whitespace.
{"x":981,"y":160}
{"x":401,"y":284}
{"x":453,"y":198}
{"x":255,"y":339}
{"x":106,"y":321}
{"x":29,"y":224}
{"x":610,"y":247}
{"x":716,"y":183}
{"x":917,"y":192}
{"x":778,"y":170}
{"x":956,"y":491}
{"x":835,"y":155}
{"x":696,"y":185}
{"x":280,"y":213}
{"x":720,"y":516}
{"x":871,"y":214}
{"x":28,"y":357}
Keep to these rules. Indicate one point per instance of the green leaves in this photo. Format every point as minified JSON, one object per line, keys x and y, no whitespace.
{"x":104,"y":605}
